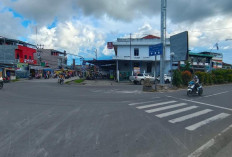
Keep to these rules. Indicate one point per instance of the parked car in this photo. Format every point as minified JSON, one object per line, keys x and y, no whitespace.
{"x":139,"y":79}
{"x":167,"y":78}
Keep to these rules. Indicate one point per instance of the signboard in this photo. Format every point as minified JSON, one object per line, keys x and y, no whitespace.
{"x":136,"y":70}
{"x":110,"y":45}
{"x":43,"y":64}
{"x":22,"y":66}
{"x":179,"y":45}
{"x":156,"y":49}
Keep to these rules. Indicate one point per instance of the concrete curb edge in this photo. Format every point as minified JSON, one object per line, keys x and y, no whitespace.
{"x":214,"y":145}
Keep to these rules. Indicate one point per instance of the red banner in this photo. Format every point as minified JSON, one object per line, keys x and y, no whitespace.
{"x":110,"y":45}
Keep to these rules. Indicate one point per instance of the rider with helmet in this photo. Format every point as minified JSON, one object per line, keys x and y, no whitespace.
{"x":196,"y":83}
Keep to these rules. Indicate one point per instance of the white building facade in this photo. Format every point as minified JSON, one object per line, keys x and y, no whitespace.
{"x":132,"y":56}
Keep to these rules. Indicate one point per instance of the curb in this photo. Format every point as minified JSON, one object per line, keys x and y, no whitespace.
{"x":213,"y":146}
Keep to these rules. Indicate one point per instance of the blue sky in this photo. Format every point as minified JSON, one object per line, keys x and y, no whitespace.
{"x":78,"y":26}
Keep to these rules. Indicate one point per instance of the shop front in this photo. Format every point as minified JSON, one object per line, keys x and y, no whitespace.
{"x":9,"y":73}
{"x":36,"y":71}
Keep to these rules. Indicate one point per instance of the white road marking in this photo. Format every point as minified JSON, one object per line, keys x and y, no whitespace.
{"x":153,"y":105}
{"x":216,"y":94}
{"x":165,"y":108}
{"x":209,"y":144}
{"x":200,"y":150}
{"x":175,"y":112}
{"x":206,"y":121}
{"x":189,"y":116}
{"x":225,"y":108}
{"x":139,"y":103}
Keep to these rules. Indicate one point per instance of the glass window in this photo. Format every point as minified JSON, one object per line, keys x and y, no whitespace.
{"x":136,"y":52}
{"x":25,"y":57}
{"x":29,"y":57}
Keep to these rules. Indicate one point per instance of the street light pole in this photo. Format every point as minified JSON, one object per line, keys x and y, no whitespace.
{"x":96,"y":53}
{"x":163,"y":38}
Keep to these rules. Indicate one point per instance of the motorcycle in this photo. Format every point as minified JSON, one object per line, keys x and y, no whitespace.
{"x":6,"y":79}
{"x":192,"y":91}
{"x":1,"y":84}
{"x":30,"y":77}
{"x":61,"y":81}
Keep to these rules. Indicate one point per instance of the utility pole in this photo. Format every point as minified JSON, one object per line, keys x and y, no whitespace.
{"x":96,"y":53}
{"x":163,"y":38}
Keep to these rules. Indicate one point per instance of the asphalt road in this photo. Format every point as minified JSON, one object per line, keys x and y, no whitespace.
{"x":44,"y":119}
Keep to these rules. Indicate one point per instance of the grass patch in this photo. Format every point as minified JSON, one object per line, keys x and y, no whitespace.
{"x":79,"y":81}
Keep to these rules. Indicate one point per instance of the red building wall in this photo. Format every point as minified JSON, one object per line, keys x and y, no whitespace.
{"x":25,"y":54}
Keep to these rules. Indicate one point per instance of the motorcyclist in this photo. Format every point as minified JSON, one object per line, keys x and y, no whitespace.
{"x":196,"y":83}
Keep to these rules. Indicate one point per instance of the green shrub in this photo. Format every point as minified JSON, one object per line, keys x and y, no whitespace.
{"x":210,"y":78}
{"x":229,"y":77}
{"x":222,"y":75}
{"x":201,"y":76}
{"x":177,"y":80}
{"x":219,"y":79}
{"x":186,"y":77}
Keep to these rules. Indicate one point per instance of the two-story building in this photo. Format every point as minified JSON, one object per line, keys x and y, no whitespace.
{"x":51,"y":58}
{"x":13,"y":53}
{"x":132,"y":56}
{"x":216,"y":60}
{"x":199,"y":62}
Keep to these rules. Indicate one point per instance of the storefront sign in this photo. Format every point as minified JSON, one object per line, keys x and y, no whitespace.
{"x":29,"y":61}
{"x":22,"y":66}
{"x":136,"y":70}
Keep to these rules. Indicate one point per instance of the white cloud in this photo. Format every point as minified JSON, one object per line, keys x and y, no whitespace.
{"x":11,"y":27}
{"x":72,"y":36}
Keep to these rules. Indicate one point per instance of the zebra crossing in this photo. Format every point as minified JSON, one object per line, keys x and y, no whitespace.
{"x":178,"y":109}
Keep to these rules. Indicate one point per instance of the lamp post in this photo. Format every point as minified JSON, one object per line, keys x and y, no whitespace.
{"x":172,"y":56}
{"x":163,"y":38}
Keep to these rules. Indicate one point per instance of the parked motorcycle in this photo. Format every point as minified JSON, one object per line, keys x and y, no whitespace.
{"x":192,"y":90}
{"x":30,"y":77}
{"x":6,"y":79}
{"x":1,"y":84}
{"x":37,"y":76}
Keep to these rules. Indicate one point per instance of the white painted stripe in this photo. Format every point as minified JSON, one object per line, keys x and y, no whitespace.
{"x":216,"y":94}
{"x":175,"y":112}
{"x":153,"y":105}
{"x":229,"y":109}
{"x":209,"y":144}
{"x":139,"y":103}
{"x":206,"y":121}
{"x":165,"y":108}
{"x":203,"y":148}
{"x":189,"y":116}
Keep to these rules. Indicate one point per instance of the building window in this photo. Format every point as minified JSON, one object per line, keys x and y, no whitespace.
{"x":136,"y":52}
{"x":17,"y":56}
{"x":25,"y":57}
{"x":29,"y":57}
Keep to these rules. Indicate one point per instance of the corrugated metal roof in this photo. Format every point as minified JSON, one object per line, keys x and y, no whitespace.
{"x":200,"y":55}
